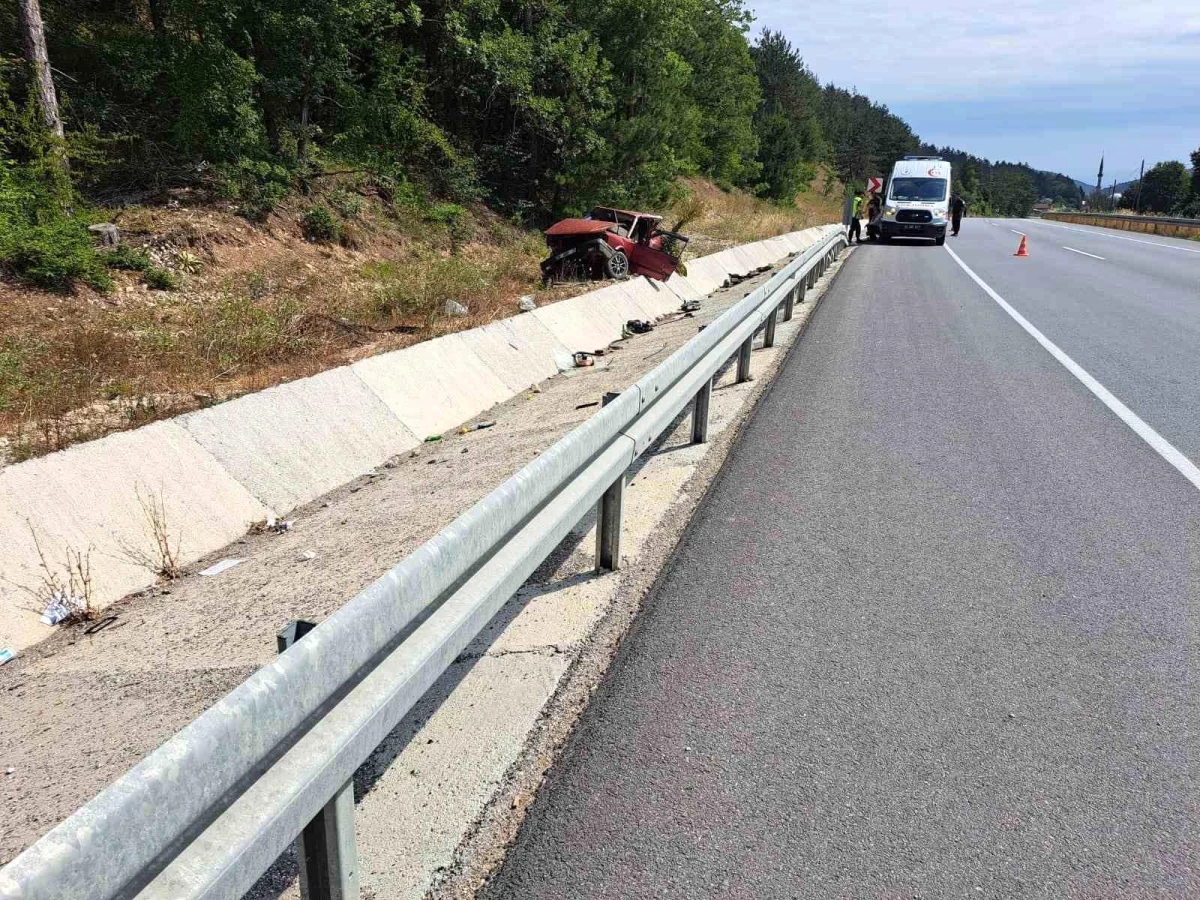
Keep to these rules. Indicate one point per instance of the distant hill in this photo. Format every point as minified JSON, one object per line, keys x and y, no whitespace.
{"x":1006,"y":188}
{"x":1087,"y":187}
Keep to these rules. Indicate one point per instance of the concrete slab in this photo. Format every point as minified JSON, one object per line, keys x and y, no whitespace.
{"x":706,"y":275}
{"x":433,"y":775}
{"x":651,"y":296}
{"x":733,"y":262}
{"x":759,"y":254}
{"x":519,"y":351}
{"x":577,"y":324}
{"x":433,"y":386}
{"x":292,"y":443}
{"x":617,"y":304}
{"x":87,"y":497}
{"x":681,"y":288}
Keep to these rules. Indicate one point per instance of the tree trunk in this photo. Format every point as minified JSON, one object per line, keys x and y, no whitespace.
{"x":39,"y":62}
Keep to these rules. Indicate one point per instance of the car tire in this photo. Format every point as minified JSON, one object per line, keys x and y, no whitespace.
{"x":616,"y":266}
{"x":940,"y":239}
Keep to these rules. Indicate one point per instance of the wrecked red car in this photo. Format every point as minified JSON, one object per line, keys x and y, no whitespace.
{"x":611,"y":243}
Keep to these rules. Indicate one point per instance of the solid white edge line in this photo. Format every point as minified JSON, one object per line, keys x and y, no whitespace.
{"x":1160,"y":444}
{"x":1115,"y":237}
{"x":1083,"y":253}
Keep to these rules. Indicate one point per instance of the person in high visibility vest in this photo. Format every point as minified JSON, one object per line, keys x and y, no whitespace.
{"x":856,"y":211}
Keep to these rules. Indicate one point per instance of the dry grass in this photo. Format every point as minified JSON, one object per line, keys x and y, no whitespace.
{"x":67,"y":590}
{"x":259,"y":304}
{"x":162,"y":554}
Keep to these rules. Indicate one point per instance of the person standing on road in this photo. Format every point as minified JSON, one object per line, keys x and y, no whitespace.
{"x":957,"y":208}
{"x":856,"y":211}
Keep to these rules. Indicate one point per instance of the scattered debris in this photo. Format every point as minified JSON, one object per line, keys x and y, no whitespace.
{"x":59,"y":608}
{"x":588,"y":405}
{"x":433,"y":439}
{"x":218,"y":567}
{"x":609,"y":397}
{"x":9,"y":771}
{"x":307,"y":556}
{"x":100,"y":625}
{"x":279,"y":526}
{"x":637,"y":326}
{"x":583,"y":360}
{"x":526,"y":303}
{"x":7,"y":655}
{"x":690,"y":306}
{"x":477,"y":426}
{"x":454,"y":308}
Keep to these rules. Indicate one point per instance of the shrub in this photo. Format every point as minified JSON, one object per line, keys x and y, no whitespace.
{"x":53,"y":255}
{"x":257,"y":186}
{"x":159,"y":279}
{"x":125,"y":257}
{"x":320,"y":225}
{"x":347,"y":203}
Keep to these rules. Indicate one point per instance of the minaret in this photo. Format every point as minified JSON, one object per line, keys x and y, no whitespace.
{"x":1100,"y":175}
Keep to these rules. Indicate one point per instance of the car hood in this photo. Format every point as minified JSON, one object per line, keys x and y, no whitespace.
{"x":578,"y":226}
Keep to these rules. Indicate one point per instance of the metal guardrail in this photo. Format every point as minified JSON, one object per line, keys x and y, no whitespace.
{"x":204,"y":815}
{"x":1118,"y":217}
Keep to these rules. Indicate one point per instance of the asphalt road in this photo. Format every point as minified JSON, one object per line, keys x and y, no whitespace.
{"x":932,"y":632}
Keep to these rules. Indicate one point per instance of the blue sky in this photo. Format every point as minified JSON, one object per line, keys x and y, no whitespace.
{"x":1053,"y":84}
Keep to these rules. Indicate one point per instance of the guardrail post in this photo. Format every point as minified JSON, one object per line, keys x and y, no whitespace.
{"x":789,"y":303}
{"x":700,"y":413}
{"x":743,"y":369}
{"x":608,"y":527}
{"x":769,"y":335}
{"x":325,"y":849}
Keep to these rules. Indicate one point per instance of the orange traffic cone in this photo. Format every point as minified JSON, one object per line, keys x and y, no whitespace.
{"x":1022,"y":251}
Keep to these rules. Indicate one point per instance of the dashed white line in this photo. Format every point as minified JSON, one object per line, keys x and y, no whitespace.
{"x":1116,"y":237}
{"x":1160,"y":444}
{"x":1021,"y":233}
{"x":1082,"y":253}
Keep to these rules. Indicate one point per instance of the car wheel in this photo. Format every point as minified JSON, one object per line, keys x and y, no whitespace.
{"x":940,"y":240}
{"x":617,"y":266}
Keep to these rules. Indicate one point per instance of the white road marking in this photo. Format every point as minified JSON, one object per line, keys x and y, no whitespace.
{"x":1160,"y":444}
{"x":1116,"y":237}
{"x":1021,"y":233}
{"x":1082,"y":253}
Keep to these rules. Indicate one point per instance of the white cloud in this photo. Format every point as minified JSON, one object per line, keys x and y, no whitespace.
{"x":1015,"y":79}
{"x":922,"y":51}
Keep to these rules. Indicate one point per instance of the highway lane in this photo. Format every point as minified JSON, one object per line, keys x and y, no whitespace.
{"x":930,"y":634}
{"x":1131,"y":319}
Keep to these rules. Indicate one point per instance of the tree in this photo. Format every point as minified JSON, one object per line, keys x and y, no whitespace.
{"x":1164,"y":186}
{"x":34,"y":34}
{"x":788,"y":125}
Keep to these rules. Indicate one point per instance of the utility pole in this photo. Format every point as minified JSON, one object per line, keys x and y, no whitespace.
{"x":30,"y":13}
{"x":1137,"y":198}
{"x":1112,"y":199}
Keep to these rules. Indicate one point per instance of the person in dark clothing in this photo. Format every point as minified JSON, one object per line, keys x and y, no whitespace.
{"x":855,"y":225}
{"x":957,"y":208}
{"x":874,"y":208}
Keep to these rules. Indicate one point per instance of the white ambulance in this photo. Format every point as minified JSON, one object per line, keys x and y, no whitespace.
{"x":917,"y":200}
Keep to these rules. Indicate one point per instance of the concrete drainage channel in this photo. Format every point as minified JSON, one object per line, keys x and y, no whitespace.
{"x":517,"y":684}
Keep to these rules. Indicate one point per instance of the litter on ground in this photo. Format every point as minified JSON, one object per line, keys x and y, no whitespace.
{"x":218,"y":567}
